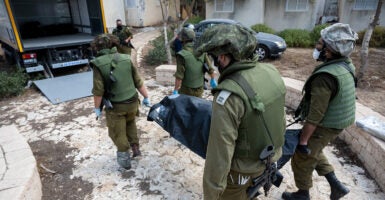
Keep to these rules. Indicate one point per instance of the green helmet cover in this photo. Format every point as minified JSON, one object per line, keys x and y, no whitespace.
{"x":236,"y":40}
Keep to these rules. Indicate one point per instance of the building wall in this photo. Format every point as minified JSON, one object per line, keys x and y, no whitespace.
{"x":248,"y":12}
{"x":358,"y":19}
{"x":113,"y":9}
{"x":140,"y":13}
{"x":279,"y":19}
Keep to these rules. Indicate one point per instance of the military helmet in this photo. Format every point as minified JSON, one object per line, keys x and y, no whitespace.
{"x":186,"y":34}
{"x":340,"y":38}
{"x":227,"y":39}
{"x":105,"y":41}
{"x":189,"y":25}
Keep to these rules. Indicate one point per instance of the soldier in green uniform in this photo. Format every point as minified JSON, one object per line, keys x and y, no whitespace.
{"x":328,"y":106}
{"x":189,"y":75}
{"x":125,"y":36}
{"x":116,"y":79}
{"x":242,"y":125}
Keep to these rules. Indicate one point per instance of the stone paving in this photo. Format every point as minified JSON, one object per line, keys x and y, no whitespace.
{"x":19,"y":178}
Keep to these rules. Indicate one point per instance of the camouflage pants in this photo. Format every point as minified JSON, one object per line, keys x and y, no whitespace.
{"x":303,"y":165}
{"x":237,"y":184}
{"x":121,"y":125}
{"x":196,"y":92}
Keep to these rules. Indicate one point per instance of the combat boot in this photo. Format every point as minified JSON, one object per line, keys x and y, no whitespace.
{"x":135,"y":150}
{"x":338,"y":189}
{"x":299,"y":195}
{"x":124,"y":159}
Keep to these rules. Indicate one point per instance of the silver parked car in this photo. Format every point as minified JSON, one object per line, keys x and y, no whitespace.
{"x":269,"y":45}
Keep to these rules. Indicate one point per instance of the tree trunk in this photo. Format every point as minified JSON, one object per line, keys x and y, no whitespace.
{"x":165,"y":17}
{"x":365,"y":42}
{"x":189,"y":8}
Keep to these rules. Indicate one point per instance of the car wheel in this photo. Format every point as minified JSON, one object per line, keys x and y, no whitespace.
{"x":262,"y":52}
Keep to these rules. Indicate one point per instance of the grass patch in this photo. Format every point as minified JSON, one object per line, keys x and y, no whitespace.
{"x":377,"y":39}
{"x":157,"y":55}
{"x":297,"y":38}
{"x":12,"y":83}
{"x":262,"y":28}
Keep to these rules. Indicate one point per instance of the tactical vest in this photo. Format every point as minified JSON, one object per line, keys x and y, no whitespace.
{"x":341,"y":110}
{"x":265,"y":110}
{"x":193,"y":75}
{"x":120,"y":67}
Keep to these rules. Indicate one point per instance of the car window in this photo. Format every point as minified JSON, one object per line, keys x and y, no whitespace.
{"x":200,"y":28}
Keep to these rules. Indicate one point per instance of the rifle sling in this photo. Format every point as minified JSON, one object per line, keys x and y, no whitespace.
{"x":241,"y":81}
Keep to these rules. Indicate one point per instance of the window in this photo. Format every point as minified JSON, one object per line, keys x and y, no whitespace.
{"x":224,"y":5}
{"x":130,"y":3}
{"x":297,"y":5}
{"x":365,"y":5}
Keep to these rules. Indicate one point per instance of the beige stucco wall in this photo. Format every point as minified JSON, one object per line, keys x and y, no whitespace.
{"x":149,"y":13}
{"x":113,"y":9}
{"x":248,"y":12}
{"x":358,"y":19}
{"x":277,"y":18}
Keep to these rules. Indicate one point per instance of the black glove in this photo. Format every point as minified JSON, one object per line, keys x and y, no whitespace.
{"x":303,"y":149}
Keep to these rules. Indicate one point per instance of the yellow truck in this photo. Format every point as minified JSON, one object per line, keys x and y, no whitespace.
{"x":44,"y":35}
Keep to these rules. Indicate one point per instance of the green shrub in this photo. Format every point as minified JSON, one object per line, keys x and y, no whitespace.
{"x":12,"y":83}
{"x":262,"y":28}
{"x":377,"y":39}
{"x":194,"y":19}
{"x":296,"y":37}
{"x":315,"y":34}
{"x":158,"y":55}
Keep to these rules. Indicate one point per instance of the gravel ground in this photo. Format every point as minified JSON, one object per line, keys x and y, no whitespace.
{"x":166,"y":169}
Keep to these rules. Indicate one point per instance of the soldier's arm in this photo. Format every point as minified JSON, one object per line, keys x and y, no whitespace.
{"x":179,"y":74}
{"x":138,"y":81}
{"x":322,"y":89}
{"x":225,"y":121}
{"x":209,"y":64}
{"x":128,"y":34}
{"x":98,"y":87}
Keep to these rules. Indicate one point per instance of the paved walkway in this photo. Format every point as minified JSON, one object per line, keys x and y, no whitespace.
{"x":19,"y":178}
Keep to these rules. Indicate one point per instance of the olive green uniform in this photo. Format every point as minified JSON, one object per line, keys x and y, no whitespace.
{"x":189,"y":73}
{"x":237,"y":134}
{"x":123,"y":35}
{"x":320,"y":90}
{"x":121,"y":119}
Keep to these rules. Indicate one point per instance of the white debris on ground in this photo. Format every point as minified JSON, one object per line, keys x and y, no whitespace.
{"x":166,"y":169}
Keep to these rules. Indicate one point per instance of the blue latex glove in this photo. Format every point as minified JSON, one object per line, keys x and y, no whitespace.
{"x":213,"y":83}
{"x":175,"y":92}
{"x":146,"y":102}
{"x":98,"y":113}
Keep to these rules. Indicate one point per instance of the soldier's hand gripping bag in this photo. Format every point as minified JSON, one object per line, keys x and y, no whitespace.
{"x":288,"y":149}
{"x":186,"y":118}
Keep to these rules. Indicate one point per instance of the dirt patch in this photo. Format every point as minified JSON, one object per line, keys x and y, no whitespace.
{"x":61,"y":184}
{"x":297,"y":63}
{"x":145,"y":187}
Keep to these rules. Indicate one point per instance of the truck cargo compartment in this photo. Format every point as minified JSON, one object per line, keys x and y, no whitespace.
{"x":57,"y":41}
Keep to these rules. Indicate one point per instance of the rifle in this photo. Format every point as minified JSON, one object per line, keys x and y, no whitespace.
{"x":129,"y":44}
{"x":271,"y":175}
